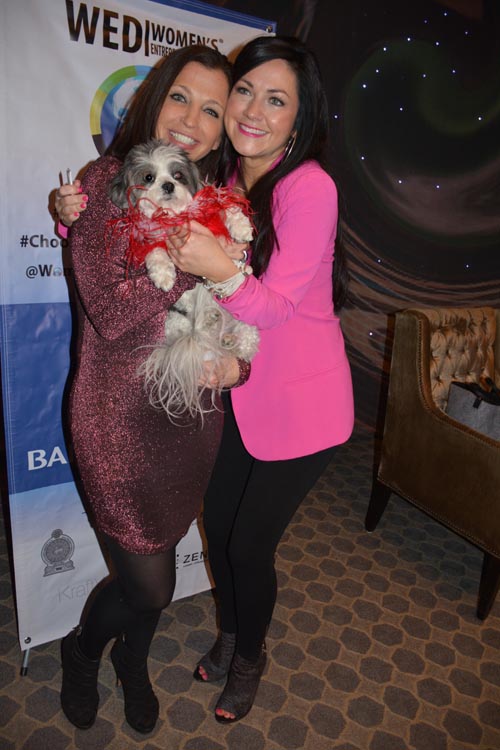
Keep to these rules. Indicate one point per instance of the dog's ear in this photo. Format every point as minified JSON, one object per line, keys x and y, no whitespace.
{"x":118,"y":189}
{"x":193,"y":175}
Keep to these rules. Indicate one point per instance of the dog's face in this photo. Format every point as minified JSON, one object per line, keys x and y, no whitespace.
{"x":158,"y":176}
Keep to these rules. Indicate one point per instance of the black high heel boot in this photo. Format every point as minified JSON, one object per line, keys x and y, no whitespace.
{"x":141,"y":704}
{"x":239,"y":694}
{"x":217,"y":661}
{"x":79,"y":696}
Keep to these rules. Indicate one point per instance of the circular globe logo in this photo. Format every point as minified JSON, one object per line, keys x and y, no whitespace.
{"x":110,"y":103}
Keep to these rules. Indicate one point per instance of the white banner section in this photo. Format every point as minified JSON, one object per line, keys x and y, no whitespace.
{"x":69,"y":69}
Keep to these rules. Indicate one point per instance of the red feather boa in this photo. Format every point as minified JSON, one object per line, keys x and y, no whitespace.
{"x":145,"y":234}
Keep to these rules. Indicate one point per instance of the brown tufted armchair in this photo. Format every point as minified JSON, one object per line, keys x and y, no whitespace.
{"x":443,"y":467}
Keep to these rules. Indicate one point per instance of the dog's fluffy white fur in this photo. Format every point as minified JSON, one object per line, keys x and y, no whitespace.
{"x":155,"y":175}
{"x":197,"y":330}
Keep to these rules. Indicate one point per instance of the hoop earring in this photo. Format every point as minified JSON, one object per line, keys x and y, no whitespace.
{"x":289,"y":146}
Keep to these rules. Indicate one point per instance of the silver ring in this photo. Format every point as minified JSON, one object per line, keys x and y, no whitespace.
{"x":245,"y":256}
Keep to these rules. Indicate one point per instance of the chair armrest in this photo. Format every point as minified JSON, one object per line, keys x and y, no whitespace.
{"x":497,"y":349}
{"x":442,"y":466}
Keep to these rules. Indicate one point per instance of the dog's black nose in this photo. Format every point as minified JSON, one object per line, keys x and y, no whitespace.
{"x":168,"y":187}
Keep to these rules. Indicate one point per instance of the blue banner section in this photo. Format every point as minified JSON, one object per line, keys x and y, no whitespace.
{"x":225,"y":14}
{"x":35,"y":363}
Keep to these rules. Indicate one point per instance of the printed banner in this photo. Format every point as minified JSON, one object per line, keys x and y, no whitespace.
{"x":69,"y":69}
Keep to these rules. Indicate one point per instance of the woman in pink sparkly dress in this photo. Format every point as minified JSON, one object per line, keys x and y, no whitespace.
{"x":142,"y":477}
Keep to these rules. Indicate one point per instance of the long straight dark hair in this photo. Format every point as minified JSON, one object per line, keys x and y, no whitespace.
{"x":140,"y":121}
{"x":311,"y":142}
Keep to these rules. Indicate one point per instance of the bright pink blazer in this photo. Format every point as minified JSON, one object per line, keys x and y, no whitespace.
{"x":298,"y":399}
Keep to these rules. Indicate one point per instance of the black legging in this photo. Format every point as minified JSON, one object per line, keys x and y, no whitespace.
{"x":131,"y":603}
{"x":248,"y":506}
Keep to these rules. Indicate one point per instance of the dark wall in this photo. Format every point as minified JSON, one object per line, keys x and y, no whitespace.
{"x":414,"y":97}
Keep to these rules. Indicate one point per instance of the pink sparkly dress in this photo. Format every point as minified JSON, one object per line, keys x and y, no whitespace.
{"x":143,"y":477}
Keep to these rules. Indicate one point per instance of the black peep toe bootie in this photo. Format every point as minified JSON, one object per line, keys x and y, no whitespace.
{"x":239,"y":694}
{"x":141,"y":704}
{"x":217,"y":661}
{"x":79,"y":696}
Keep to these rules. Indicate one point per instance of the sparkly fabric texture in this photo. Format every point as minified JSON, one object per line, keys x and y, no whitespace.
{"x":143,"y":477}
{"x":245,"y":369}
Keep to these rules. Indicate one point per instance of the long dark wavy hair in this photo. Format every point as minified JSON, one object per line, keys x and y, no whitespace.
{"x":140,"y":121}
{"x":311,"y":142}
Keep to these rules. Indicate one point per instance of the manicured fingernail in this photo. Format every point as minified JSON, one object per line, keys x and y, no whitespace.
{"x":83,"y":205}
{"x":80,"y":190}
{"x":76,"y":214}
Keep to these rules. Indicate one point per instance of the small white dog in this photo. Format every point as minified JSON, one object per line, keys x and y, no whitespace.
{"x":159,"y":187}
{"x":157,"y":183}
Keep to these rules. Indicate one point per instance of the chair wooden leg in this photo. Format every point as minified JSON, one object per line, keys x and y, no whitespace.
{"x":489,"y":584}
{"x":378,"y":503}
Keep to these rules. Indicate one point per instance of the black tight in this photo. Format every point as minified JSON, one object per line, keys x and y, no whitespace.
{"x":131,"y":603}
{"x":248,"y":506}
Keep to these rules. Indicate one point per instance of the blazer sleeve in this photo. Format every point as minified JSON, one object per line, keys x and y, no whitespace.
{"x":305,"y":219}
{"x":116,"y":300}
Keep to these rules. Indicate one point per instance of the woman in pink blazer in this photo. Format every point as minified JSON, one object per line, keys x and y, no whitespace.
{"x":282,"y":426}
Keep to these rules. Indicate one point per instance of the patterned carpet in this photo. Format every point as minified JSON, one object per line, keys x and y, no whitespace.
{"x":374,"y":645}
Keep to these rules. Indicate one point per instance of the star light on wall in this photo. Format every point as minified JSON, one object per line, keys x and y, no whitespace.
{"x":411,"y":121}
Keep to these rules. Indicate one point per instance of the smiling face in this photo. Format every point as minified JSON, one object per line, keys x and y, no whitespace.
{"x":192,"y":114}
{"x":261,"y":113}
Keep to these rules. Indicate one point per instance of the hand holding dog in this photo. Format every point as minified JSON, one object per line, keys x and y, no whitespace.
{"x":223,"y":374}
{"x":200,"y":253}
{"x":234,"y":250}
